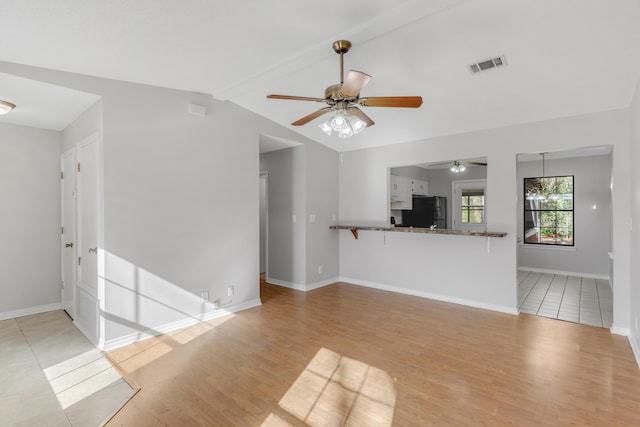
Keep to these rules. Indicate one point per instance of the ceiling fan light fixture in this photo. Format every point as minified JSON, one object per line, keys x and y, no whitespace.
{"x":339,"y":122}
{"x":344,"y":124}
{"x":6,"y":106}
{"x":457,"y":167}
{"x":326,"y":127}
{"x":346,"y":132}
{"x":357,"y":125}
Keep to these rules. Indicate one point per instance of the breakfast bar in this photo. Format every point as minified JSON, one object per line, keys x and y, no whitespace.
{"x":354,"y":230}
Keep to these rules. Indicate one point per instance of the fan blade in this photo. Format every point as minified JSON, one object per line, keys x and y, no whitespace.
{"x":354,"y":83}
{"x":474,"y":163}
{"x":392,"y":101}
{"x":362,"y":116}
{"x":308,"y":118}
{"x":295,"y":98}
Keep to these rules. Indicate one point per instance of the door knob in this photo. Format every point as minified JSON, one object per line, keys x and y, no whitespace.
{"x":68,"y":245}
{"x":93,"y":250}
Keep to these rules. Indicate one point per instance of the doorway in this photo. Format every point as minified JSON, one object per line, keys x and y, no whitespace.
{"x":564,"y":235}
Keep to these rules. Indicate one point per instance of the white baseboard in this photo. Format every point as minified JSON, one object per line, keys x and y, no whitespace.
{"x":87,"y":334}
{"x":303,"y":288}
{"x":566,"y":273}
{"x":30,"y":310}
{"x":174,"y":326}
{"x":285,"y":284}
{"x":437,"y":297}
{"x":320,"y":284}
{"x":617,"y":330}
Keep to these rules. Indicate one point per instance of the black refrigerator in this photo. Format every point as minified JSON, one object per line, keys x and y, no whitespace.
{"x":427,"y":211}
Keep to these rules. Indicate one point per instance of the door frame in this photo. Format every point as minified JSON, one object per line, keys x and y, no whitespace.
{"x":265,"y":174}
{"x":68,"y":287}
{"x":456,"y":208}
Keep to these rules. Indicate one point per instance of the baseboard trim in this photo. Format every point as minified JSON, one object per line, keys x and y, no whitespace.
{"x":566,"y":273}
{"x":174,"y":326}
{"x":322,"y":283}
{"x":30,"y":310}
{"x":617,"y":330}
{"x":303,"y":288}
{"x":85,"y":332}
{"x":285,"y":284}
{"x":429,"y":295}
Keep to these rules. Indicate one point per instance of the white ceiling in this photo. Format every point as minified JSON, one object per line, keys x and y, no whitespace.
{"x":565,"y":57}
{"x":40,"y":104}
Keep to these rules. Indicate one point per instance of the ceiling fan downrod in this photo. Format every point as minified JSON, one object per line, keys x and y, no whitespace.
{"x":341,"y":47}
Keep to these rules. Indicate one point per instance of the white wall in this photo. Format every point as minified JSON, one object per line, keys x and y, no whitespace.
{"x":592,"y":237}
{"x":322,"y":180}
{"x":29,"y":220}
{"x":181,"y":203}
{"x":460,"y":268}
{"x":83,"y":126}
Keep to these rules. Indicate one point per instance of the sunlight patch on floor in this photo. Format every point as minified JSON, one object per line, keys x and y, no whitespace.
{"x":77,"y":378}
{"x":337,"y":390}
{"x":187,"y":335}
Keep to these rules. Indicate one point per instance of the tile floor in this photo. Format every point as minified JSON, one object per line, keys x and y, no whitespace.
{"x":574,"y":299}
{"x":51,"y":375}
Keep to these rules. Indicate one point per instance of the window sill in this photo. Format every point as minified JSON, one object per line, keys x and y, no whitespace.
{"x":549,"y":247}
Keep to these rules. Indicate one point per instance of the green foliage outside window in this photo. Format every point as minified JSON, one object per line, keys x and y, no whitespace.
{"x":472,"y":207}
{"x":548,"y":210}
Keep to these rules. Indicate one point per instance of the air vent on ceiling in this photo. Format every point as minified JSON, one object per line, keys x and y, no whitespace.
{"x":488,"y":64}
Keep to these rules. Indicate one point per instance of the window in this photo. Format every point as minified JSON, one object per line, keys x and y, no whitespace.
{"x":548,"y":210}
{"x":472,"y":206}
{"x":468,"y":207}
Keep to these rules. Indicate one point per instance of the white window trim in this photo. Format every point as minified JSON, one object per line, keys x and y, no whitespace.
{"x":456,"y":209}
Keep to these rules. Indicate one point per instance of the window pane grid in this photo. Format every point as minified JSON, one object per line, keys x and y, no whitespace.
{"x":548,"y":210}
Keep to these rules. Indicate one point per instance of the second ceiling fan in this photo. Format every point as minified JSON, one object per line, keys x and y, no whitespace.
{"x":344,"y":99}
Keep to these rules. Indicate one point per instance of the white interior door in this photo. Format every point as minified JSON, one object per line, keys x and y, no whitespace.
{"x":68,"y":240}
{"x":87,"y":232}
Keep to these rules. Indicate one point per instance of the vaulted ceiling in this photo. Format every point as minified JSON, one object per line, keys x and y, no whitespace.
{"x":564,"y":57}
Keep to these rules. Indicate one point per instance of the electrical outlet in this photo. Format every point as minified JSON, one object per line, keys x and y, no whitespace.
{"x":294,"y":218}
{"x":216,"y":304}
{"x":334,"y":217}
{"x":312,"y":218}
{"x":230,"y":290}
{"x":205,"y":296}
{"x":319,"y":269}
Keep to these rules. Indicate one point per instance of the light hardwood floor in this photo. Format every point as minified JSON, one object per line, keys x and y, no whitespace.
{"x":349,"y":355}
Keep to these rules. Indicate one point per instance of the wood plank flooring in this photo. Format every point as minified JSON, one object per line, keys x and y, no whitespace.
{"x":349,"y":355}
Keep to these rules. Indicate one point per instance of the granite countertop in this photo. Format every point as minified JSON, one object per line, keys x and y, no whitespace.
{"x":420,"y":230}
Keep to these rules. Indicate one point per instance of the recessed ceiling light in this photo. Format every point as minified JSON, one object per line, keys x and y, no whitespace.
{"x":6,"y":106}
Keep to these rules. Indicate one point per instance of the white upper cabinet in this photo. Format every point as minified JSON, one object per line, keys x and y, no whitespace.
{"x":400,"y":192}
{"x":419,"y":187}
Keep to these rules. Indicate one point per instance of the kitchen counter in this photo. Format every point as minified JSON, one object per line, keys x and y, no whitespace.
{"x":354,"y":230}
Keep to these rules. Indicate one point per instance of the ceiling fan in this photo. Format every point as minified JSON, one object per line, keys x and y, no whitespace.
{"x":459,"y":165}
{"x":344,"y":99}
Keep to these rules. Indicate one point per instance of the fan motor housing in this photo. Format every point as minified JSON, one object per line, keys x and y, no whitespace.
{"x":332,"y":95}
